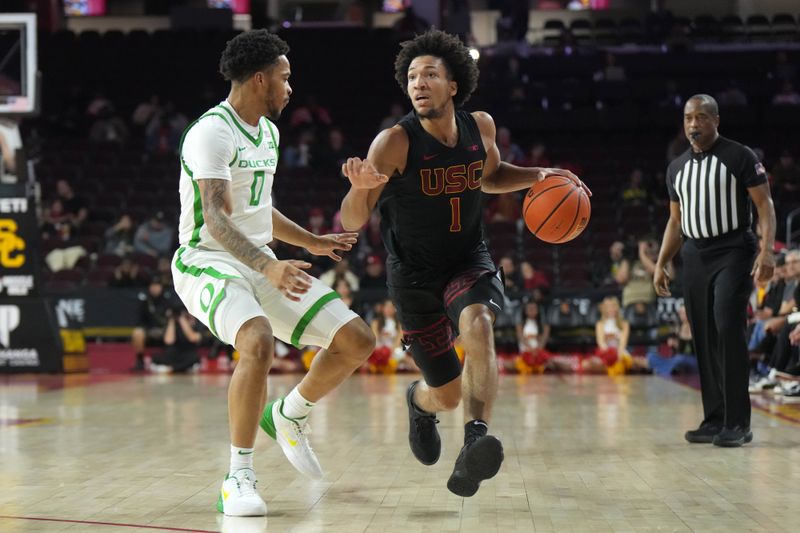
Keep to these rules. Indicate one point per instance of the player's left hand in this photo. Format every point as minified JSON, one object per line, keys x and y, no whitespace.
{"x":764,"y":267}
{"x":329,"y":244}
{"x":542,"y":173}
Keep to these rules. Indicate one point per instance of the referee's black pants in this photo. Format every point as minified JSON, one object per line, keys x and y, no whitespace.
{"x":717,"y":286}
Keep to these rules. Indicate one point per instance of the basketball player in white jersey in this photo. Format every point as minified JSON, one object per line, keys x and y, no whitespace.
{"x":231,"y":281}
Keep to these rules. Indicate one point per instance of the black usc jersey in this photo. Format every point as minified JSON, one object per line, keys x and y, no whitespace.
{"x":431,"y":214}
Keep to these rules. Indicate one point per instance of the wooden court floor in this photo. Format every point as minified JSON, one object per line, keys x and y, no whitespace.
{"x":591,"y":454}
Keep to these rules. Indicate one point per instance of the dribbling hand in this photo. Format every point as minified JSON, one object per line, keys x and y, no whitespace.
{"x":363,"y":174}
{"x":287,"y":277}
{"x":542,"y":173}
{"x":661,"y":279}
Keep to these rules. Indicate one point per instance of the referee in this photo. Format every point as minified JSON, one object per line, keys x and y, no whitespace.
{"x":710,"y":188}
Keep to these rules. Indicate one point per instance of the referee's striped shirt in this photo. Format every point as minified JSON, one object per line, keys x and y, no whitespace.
{"x":711,"y":188}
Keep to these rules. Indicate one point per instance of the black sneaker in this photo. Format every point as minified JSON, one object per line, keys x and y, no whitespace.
{"x":704,"y":434}
{"x":479,"y":459}
{"x":422,"y":434}
{"x":138,"y":366}
{"x":733,"y":437}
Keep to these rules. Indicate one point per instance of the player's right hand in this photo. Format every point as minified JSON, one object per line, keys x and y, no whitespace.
{"x":363,"y":174}
{"x":661,"y":281}
{"x":287,"y":277}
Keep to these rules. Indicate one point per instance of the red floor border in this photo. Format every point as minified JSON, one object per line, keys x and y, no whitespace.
{"x":91,"y":523}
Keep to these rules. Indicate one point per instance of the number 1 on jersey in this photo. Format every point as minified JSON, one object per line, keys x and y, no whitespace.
{"x":455,"y":214}
{"x":255,"y":188}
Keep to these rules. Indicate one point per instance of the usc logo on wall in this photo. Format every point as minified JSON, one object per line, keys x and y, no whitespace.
{"x":11,"y":245}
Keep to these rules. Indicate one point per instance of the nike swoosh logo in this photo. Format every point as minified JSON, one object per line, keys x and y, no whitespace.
{"x":309,"y":404}
{"x":290,"y":440}
{"x":244,"y":453}
{"x":494,"y":304}
{"x":242,"y":148}
{"x":428,"y":157}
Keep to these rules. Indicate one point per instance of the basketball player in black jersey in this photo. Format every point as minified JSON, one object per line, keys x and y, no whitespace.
{"x":426,"y":175}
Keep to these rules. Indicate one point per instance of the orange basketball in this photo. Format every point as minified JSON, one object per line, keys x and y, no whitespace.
{"x":556,"y":210}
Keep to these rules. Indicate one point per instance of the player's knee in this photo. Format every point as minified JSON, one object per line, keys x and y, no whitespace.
{"x":255,"y":342}
{"x":355,"y":340}
{"x":479,"y":325}
{"x":260,"y":349}
{"x":138,"y":335}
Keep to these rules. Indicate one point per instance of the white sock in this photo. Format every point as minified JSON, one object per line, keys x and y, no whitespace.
{"x":241,"y":458}
{"x":295,"y":406}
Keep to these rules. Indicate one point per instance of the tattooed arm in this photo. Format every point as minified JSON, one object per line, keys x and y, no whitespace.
{"x":286,"y":276}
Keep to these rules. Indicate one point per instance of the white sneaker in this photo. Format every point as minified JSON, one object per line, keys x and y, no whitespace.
{"x":292,"y":435}
{"x":239,"y":497}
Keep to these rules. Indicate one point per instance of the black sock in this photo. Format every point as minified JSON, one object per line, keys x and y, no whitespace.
{"x":475,"y":429}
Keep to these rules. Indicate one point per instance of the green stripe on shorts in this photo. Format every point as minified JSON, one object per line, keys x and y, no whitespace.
{"x":306,"y":319}
{"x":197,"y":271}
{"x":213,"y":310}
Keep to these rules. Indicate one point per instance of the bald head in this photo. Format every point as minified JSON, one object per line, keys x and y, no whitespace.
{"x":706,"y":102}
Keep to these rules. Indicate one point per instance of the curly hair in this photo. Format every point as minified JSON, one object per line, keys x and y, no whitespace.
{"x":249,"y":52}
{"x":461,"y":68}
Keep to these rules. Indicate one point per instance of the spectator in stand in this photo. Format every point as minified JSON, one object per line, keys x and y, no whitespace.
{"x":97,"y":104}
{"x":329,"y":157}
{"x":182,"y":338}
{"x":784,"y":69}
{"x":340,"y":270}
{"x":57,"y":226}
{"x":672,"y":96}
{"x":346,"y":292}
{"x":374,"y":274}
{"x":537,"y":156}
{"x":310,"y":113}
{"x":510,"y":152}
{"x":513,"y":278}
{"x":162,"y":137}
{"x":74,"y":206}
{"x":787,"y":96}
{"x":164,"y":271}
{"x":786,"y":176}
{"x":611,"y":71}
{"x":316,"y":222}
{"x":635,"y":193}
{"x":639,"y":288}
{"x":128,"y":275}
{"x":396,"y":112}
{"x":154,"y":237}
{"x":298,"y":154}
{"x":109,"y":127}
{"x":732,"y":96}
{"x":145,"y":112}
{"x":504,"y":207}
{"x":153,"y":314}
{"x":676,"y":355}
{"x":677,"y":145}
{"x":615,"y":270}
{"x":533,"y":278}
{"x":119,"y":237}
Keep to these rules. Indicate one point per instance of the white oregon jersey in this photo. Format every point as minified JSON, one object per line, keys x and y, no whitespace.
{"x":220,"y":145}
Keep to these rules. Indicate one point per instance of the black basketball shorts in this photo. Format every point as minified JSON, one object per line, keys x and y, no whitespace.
{"x":429,"y":314}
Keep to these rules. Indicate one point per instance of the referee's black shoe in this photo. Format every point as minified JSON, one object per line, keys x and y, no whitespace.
{"x":704,"y":434}
{"x":480,"y":459}
{"x":733,"y":437}
{"x":423,"y":436}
